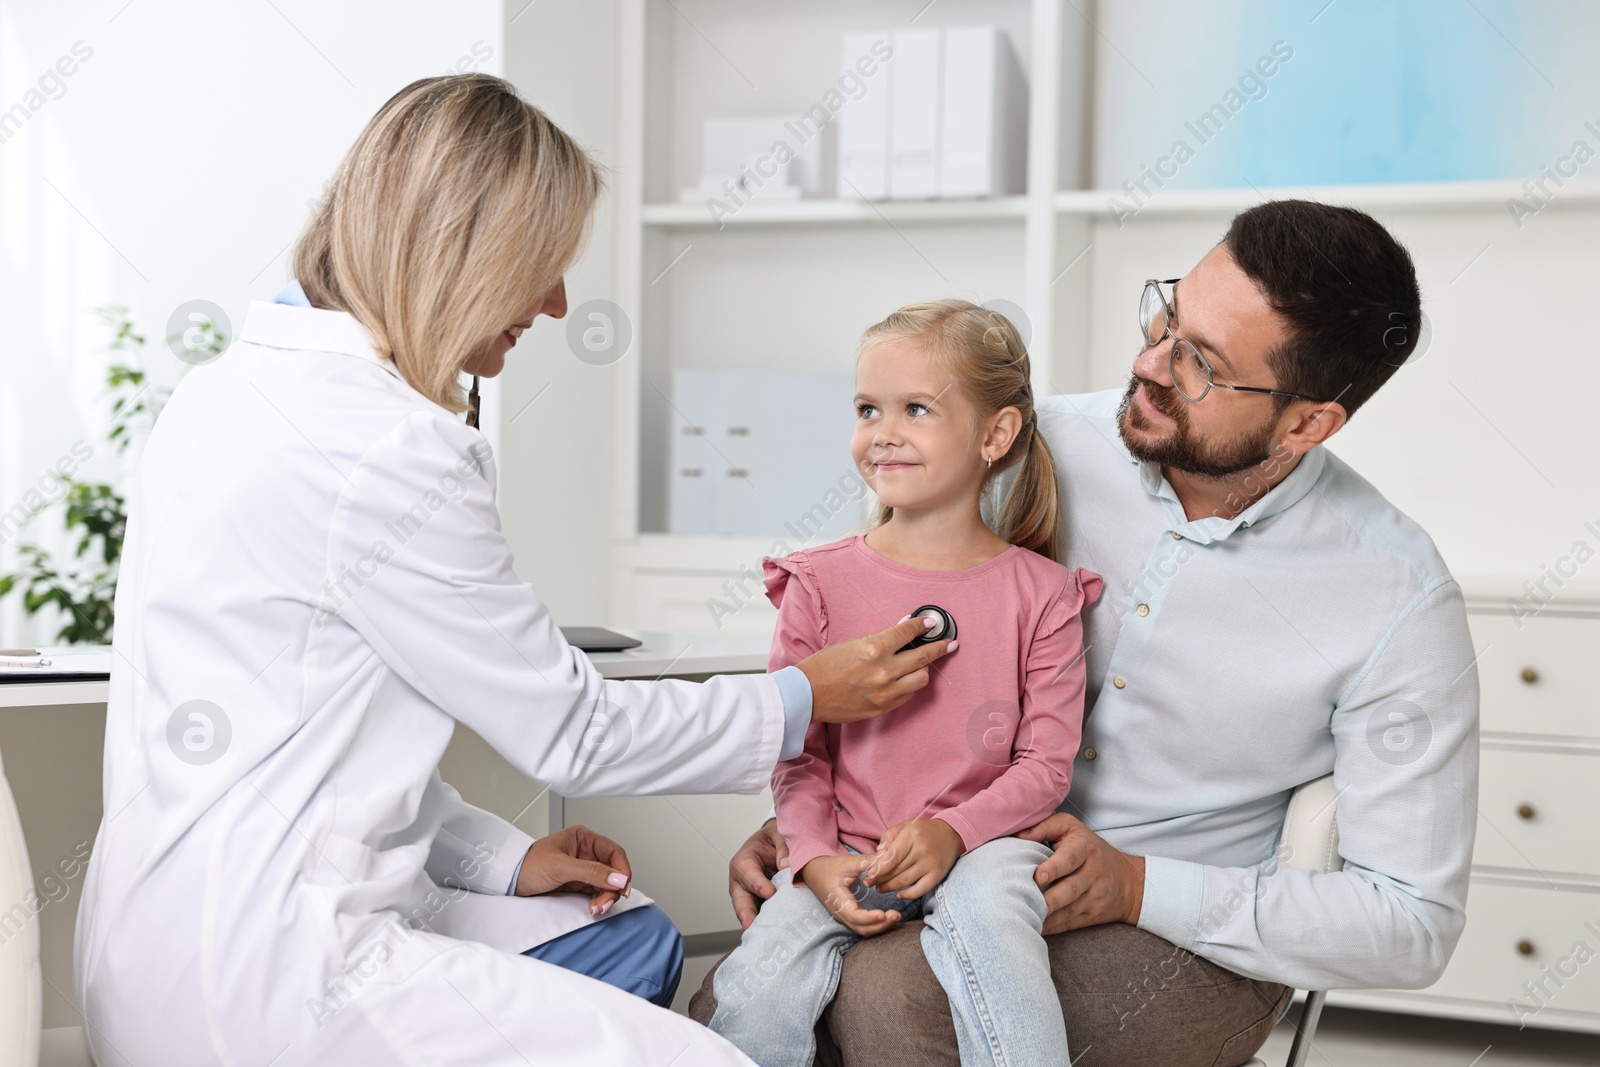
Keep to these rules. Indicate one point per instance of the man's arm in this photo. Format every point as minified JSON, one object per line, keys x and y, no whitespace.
{"x":1406,"y":768}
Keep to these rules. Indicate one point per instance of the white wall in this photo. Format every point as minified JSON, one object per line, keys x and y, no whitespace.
{"x":174,"y":163}
{"x":556,"y":458}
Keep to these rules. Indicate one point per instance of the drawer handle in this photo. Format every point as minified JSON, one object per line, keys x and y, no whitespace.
{"x":1525,"y":811}
{"x":1524,"y":948}
{"x":1530,"y":675}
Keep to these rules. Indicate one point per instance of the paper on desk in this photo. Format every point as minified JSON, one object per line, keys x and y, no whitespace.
{"x":59,"y":662}
{"x":516,"y":924}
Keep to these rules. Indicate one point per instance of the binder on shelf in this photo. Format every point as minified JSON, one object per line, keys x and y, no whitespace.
{"x":863,"y":144}
{"x":984,"y":124}
{"x":949,"y":120}
{"x":914,"y":125}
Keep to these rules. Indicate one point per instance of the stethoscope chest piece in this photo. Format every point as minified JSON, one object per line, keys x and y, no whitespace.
{"x":944,"y":628}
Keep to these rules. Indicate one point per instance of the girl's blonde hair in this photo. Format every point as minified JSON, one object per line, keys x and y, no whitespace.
{"x":986,"y":356}
{"x":458,"y":206}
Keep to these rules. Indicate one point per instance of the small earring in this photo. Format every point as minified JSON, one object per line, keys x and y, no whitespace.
{"x":991,"y":462}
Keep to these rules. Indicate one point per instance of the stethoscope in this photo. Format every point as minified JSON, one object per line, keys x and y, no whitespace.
{"x":472,"y":404}
{"x":944,"y":626}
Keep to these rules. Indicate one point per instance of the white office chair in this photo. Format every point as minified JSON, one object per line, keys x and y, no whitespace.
{"x":1310,"y":842}
{"x":21,"y":988}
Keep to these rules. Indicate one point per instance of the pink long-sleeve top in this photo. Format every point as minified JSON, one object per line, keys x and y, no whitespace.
{"x":987,"y":745}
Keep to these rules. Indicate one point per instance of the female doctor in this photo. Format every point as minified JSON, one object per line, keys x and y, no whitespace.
{"x":315,"y":590}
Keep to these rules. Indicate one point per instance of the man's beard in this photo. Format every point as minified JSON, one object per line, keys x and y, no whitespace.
{"x":1178,"y":450}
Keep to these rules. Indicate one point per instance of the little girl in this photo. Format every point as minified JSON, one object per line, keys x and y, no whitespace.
{"x":908,"y":816}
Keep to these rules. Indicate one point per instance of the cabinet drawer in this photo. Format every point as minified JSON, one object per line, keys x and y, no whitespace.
{"x":1539,"y":675}
{"x":1536,"y":811}
{"x":1518,"y":934}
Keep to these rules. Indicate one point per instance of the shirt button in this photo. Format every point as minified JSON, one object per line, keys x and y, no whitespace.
{"x":1176,"y":536}
{"x":1143,"y":609}
{"x":1120,"y":682}
{"x":1090,"y":753}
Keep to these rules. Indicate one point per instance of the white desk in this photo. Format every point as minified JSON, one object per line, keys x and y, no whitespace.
{"x":52,"y":736}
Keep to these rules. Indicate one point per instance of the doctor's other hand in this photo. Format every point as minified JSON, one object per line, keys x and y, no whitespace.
{"x":575,"y":859}
{"x":867,"y":676}
{"x":833,"y":880}
{"x":1087,"y":881}
{"x":751,"y":869}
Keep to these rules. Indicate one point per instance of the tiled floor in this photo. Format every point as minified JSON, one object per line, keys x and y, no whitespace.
{"x":1351,"y":1038}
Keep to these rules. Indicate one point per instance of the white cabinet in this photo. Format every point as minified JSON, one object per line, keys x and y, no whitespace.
{"x":753,"y":451}
{"x":788,"y":287}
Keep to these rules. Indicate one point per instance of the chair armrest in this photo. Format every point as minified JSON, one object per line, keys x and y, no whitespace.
{"x":1310,"y":839}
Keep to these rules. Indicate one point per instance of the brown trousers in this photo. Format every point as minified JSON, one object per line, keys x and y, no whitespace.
{"x":1130,"y":999}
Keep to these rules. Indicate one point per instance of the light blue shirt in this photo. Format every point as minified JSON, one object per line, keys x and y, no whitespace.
{"x":1231,"y":660}
{"x":793,"y":686}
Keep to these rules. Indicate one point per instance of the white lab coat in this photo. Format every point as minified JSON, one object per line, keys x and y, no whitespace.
{"x":314,"y":550}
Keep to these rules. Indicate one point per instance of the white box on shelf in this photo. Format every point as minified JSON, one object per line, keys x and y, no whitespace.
{"x":762,"y":158}
{"x":984,"y":121}
{"x":917,"y":78}
{"x":863,"y":144}
{"x":775,"y":454}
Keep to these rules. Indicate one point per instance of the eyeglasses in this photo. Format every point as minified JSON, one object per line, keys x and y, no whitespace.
{"x":1191,"y":372}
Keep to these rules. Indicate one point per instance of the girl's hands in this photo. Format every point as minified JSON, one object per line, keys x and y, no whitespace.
{"x":576,"y":860}
{"x":913,"y":857}
{"x":831,"y":878}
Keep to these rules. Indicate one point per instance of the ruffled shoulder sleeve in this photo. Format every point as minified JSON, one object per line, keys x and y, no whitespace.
{"x":1079,"y":588}
{"x":791,"y":585}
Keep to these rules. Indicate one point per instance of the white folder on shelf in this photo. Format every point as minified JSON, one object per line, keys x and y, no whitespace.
{"x":984,"y":125}
{"x":863,"y":145}
{"x":914,"y":113}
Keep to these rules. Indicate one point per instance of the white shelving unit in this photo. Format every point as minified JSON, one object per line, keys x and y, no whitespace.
{"x":832,"y":267}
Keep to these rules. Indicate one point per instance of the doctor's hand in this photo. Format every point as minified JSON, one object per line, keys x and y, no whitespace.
{"x":867,"y":676}
{"x":576,"y":860}
{"x":832,"y":879}
{"x":751,"y":869}
{"x":1087,"y":882}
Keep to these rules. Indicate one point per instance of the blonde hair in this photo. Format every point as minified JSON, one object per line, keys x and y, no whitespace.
{"x":458,"y":206}
{"x":986,"y":356}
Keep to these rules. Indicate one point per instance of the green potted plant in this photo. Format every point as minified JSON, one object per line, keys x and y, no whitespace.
{"x":83,"y":586}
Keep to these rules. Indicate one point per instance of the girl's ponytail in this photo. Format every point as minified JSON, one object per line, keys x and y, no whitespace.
{"x":1030,"y":515}
{"x":986,"y":356}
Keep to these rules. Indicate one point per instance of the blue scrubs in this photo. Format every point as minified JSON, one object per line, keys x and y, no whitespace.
{"x":639,"y":951}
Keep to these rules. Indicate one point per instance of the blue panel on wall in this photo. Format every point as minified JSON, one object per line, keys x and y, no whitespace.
{"x":1263,"y":93}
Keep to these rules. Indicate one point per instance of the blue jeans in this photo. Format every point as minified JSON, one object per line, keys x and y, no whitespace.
{"x":639,"y":951}
{"x":982,"y":938}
